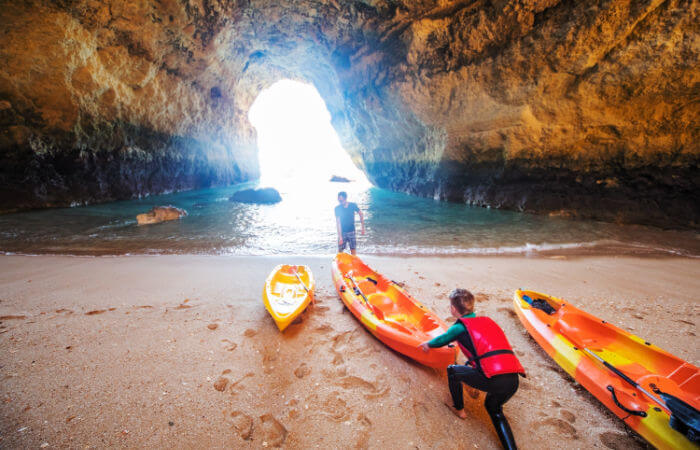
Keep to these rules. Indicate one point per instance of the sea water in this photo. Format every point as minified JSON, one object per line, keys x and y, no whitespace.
{"x":304,"y":224}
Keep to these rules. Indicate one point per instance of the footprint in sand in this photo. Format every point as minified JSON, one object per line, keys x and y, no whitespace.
{"x":249,"y":332}
{"x":235,"y":387}
{"x":353,"y":382}
{"x":323,"y":329}
{"x":95,"y":312}
{"x":335,"y":407}
{"x":615,"y":441}
{"x":509,"y":311}
{"x":230,"y":346}
{"x":421,"y":413}
{"x":302,"y":371}
{"x":273,"y":432}
{"x":269,"y":356}
{"x":64,"y":310}
{"x":557,"y":426}
{"x":349,"y":339}
{"x":221,"y":383}
{"x":481,"y":297}
{"x":321,"y":309}
{"x":568,"y":416}
{"x":13,"y":317}
{"x":339,"y":343}
{"x":213,"y":326}
{"x":243,"y":424}
{"x":363,"y":432}
{"x":337,"y":358}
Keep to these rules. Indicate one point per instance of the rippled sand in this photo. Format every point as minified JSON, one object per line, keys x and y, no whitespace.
{"x":178,"y":351}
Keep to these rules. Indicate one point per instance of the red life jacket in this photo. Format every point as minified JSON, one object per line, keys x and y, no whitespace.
{"x":487,"y":348}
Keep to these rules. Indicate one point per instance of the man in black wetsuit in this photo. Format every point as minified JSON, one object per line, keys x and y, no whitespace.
{"x":345,"y":221}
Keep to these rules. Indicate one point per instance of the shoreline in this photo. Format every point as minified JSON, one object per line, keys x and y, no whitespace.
{"x":594,"y":250}
{"x":179,"y":351}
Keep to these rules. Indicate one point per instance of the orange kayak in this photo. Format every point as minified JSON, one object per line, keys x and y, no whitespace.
{"x":598,"y":355}
{"x":388,"y":312}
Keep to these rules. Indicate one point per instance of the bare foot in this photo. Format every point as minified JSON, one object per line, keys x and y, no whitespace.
{"x":459,"y":413}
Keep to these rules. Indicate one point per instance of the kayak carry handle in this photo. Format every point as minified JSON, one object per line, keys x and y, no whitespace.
{"x":622,"y":407}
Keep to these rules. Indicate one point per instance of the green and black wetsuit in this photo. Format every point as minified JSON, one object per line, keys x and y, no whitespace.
{"x":499,"y":389}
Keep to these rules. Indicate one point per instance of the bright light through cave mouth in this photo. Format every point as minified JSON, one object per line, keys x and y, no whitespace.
{"x":297,"y":145}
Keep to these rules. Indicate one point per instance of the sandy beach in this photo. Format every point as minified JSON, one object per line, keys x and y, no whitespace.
{"x":179,"y":352}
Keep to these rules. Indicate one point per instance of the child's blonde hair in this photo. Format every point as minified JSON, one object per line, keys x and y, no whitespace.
{"x":462,"y":300}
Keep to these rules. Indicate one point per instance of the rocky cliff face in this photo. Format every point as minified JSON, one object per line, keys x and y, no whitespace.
{"x":582,"y":108}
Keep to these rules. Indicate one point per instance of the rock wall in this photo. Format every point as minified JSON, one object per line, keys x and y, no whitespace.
{"x":587,"y":109}
{"x":100,"y":101}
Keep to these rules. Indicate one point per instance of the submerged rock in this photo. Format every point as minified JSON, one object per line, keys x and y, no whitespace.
{"x":263,"y":196}
{"x":339,"y":179}
{"x":160,"y":214}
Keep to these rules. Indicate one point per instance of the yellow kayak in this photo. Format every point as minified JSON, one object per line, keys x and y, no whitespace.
{"x":287,"y":292}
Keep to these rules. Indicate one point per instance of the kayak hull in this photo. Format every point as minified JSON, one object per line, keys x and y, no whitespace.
{"x":285,"y":295}
{"x":563,"y":335}
{"x":392,"y":315}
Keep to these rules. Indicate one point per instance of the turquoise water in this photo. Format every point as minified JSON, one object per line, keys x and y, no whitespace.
{"x":303,"y":223}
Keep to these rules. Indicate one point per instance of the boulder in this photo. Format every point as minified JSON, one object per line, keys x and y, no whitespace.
{"x":265,"y":196}
{"x":160,"y":214}
{"x":339,"y":179}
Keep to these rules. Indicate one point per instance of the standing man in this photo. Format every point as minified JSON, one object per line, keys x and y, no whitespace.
{"x":345,"y":220}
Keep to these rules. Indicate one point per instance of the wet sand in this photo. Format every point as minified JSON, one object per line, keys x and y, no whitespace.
{"x":178,"y":351}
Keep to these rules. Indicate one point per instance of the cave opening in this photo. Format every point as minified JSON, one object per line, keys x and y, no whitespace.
{"x":297,"y":144}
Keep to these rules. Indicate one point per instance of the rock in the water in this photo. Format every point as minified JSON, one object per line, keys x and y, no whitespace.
{"x":339,"y":179}
{"x":160,"y":214}
{"x":263,"y":196}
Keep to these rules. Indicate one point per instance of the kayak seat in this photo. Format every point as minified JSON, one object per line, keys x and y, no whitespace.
{"x":384,"y":304}
{"x":583,"y":330}
{"x":428,"y":323}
